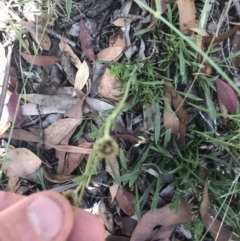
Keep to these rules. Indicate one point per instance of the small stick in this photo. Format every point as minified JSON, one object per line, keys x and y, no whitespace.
{"x":5,"y":80}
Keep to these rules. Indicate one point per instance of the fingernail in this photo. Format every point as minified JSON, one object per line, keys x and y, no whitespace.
{"x":46,"y":217}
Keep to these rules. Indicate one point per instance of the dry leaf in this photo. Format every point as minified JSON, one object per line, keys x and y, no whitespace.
{"x":108,"y":86}
{"x":23,"y":162}
{"x":164,"y":233}
{"x":3,"y":128}
{"x":71,"y":55}
{"x":55,"y":133}
{"x":81,"y":76}
{"x":113,"y":191}
{"x":110,"y":53}
{"x":13,"y":184}
{"x":46,"y":41}
{"x":20,"y":134}
{"x":85,"y":40}
{"x":56,"y":178}
{"x":236,"y":48}
{"x":115,"y":165}
{"x":76,"y":110}
{"x":177,"y":102}
{"x":72,"y":161}
{"x":216,"y":229}
{"x":121,"y":22}
{"x":41,"y":60}
{"x":228,"y":96}
{"x":61,"y":155}
{"x":73,"y":149}
{"x":187,"y":19}
{"x":200,"y":31}
{"x":169,"y":120}
{"x":126,"y":201}
{"x":12,"y":108}
{"x":161,"y":216}
{"x":106,"y":216}
{"x":221,"y":37}
{"x":126,"y":224}
{"x":118,"y":39}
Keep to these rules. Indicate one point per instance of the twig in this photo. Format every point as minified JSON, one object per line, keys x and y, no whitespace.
{"x":223,"y":17}
{"x":237,"y":7}
{"x":5,"y":80}
{"x":50,"y":31}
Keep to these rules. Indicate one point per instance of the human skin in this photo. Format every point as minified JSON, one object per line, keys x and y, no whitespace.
{"x":45,"y":216}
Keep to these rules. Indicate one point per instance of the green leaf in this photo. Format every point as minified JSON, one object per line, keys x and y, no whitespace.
{"x":114,"y":173}
{"x":158,"y":124}
{"x":79,"y":179}
{"x":69,"y":7}
{"x":156,"y":194}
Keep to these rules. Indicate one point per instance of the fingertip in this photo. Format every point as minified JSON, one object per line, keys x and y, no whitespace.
{"x":42,"y":216}
{"x":87,"y":227}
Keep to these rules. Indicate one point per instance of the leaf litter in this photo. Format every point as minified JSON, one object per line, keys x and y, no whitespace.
{"x":180,"y":114}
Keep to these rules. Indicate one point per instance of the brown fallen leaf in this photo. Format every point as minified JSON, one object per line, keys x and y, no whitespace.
{"x":113,"y":191}
{"x":118,"y":39}
{"x":126,"y":201}
{"x":228,"y":96}
{"x":75,"y":111}
{"x":20,"y":134}
{"x":13,"y":184}
{"x":218,"y":231}
{"x":12,"y":108}
{"x":53,"y":135}
{"x":73,"y":149}
{"x":61,"y":154}
{"x":126,"y":224}
{"x":169,"y":120}
{"x":164,"y":233}
{"x":43,"y":39}
{"x":236,"y":48}
{"x":71,"y":55}
{"x":109,"y":86}
{"x":221,"y":37}
{"x":121,"y":22}
{"x":110,"y":53}
{"x":56,"y":178}
{"x":72,"y":161}
{"x":22,"y":162}
{"x":41,"y":60}
{"x":177,"y":102}
{"x":200,"y":31}
{"x":106,"y":216}
{"x":161,"y":216}
{"x":187,"y":19}
{"x":85,"y":40}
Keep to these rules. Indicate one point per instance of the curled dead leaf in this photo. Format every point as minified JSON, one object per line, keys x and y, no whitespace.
{"x":161,"y":216}
{"x":228,"y":96}
{"x":56,"y":178}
